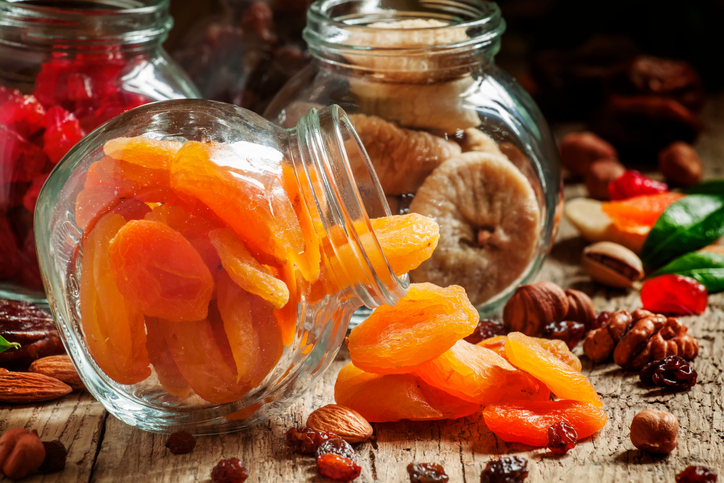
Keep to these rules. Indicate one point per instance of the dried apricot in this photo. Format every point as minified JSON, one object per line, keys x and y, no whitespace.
{"x":478,"y":375}
{"x":528,"y":421}
{"x":287,"y":316}
{"x":143,"y":151}
{"x":159,"y":271}
{"x":639,"y":214}
{"x":528,"y":355}
{"x":386,"y":398}
{"x":129,"y":177}
{"x":112,"y":327}
{"x":556,"y":347}
{"x":309,"y":263}
{"x":171,"y":379}
{"x":425,"y":323}
{"x":406,"y":240}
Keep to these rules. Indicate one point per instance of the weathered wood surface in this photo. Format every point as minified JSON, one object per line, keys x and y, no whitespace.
{"x":103,"y":449}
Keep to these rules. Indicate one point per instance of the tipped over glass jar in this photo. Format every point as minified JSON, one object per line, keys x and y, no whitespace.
{"x":202,"y":263}
{"x":66,"y":67}
{"x":449,"y":134}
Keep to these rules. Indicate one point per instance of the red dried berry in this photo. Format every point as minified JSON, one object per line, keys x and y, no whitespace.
{"x":307,"y":440}
{"x":562,"y":438}
{"x":696,"y":474}
{"x":672,"y":372}
{"x":569,"y":331}
{"x":427,"y":473}
{"x":116,"y":104}
{"x":674,"y":295}
{"x":485,"y":330}
{"x":62,"y":132}
{"x":24,"y":114}
{"x":229,"y":471}
{"x":6,"y":94}
{"x":181,"y":442}
{"x":55,"y":456}
{"x":600,"y":320}
{"x":337,"y":446}
{"x":337,"y":468}
{"x":507,"y":469}
{"x":632,"y":183}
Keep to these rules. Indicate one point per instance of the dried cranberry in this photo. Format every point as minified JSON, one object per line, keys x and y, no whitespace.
{"x":485,"y":330}
{"x":337,"y":446}
{"x":562,"y":437}
{"x":672,"y":372}
{"x":600,"y":320}
{"x":569,"y":331}
{"x":632,"y":183}
{"x":55,"y":456}
{"x":427,"y":473}
{"x":507,"y":469}
{"x":307,"y":440}
{"x":337,"y":468}
{"x":229,"y":471}
{"x":181,"y":442}
{"x":696,"y":474}
{"x":674,"y":295}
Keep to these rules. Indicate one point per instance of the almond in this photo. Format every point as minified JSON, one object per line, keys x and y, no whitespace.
{"x":59,"y":367}
{"x":346,"y":423}
{"x":29,"y":387}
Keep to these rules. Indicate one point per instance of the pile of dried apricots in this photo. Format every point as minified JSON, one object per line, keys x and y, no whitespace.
{"x":410,"y":362}
{"x":194,"y":263}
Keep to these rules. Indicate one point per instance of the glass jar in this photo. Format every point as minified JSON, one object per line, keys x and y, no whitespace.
{"x":111,"y":229}
{"x":449,"y":134}
{"x":66,"y":67}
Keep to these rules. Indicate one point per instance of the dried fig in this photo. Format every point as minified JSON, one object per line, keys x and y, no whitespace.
{"x":473,"y":139}
{"x":489,"y":224}
{"x":402,"y":158}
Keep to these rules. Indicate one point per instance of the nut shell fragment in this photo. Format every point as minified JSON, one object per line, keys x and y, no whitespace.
{"x":612,"y":264}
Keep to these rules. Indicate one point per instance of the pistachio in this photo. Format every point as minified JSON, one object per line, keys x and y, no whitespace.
{"x":612,"y":264}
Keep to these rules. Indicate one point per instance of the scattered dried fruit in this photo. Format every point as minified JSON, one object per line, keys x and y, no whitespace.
{"x":506,"y":469}
{"x":569,"y":331}
{"x":485,"y":330}
{"x":21,"y":453}
{"x":562,"y":438}
{"x":337,"y":446}
{"x":601,"y":319}
{"x":672,"y":372}
{"x":29,"y":387}
{"x":59,"y":367}
{"x":307,"y":440}
{"x":601,"y":342}
{"x":612,"y":264}
{"x":654,"y":431}
{"x":229,"y":471}
{"x":55,"y":456}
{"x":338,"y":468}
{"x":674,"y":295}
{"x":181,"y":442}
{"x":30,"y":326}
{"x":654,"y":337}
{"x":347,"y":423}
{"x":696,"y":474}
{"x":533,"y":306}
{"x":427,"y":473}
{"x":632,"y":183}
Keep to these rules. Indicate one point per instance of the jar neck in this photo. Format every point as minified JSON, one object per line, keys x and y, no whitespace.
{"x":456,"y":36}
{"x":72,"y":26}
{"x":337,"y":182}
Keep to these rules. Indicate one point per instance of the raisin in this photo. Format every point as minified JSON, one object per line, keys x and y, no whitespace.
{"x":229,"y":471}
{"x":672,"y":372}
{"x":600,"y":320}
{"x":427,"y":473}
{"x":181,"y":442}
{"x":562,"y":438}
{"x":307,"y":440}
{"x":55,"y":455}
{"x":485,"y":330}
{"x":569,"y":331}
{"x":337,"y":446}
{"x":337,"y":468}
{"x":507,"y":469}
{"x":696,"y":474}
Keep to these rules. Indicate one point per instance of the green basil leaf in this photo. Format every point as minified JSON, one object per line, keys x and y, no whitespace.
{"x":706,"y":267}
{"x":691,"y":223}
{"x":5,"y":345}
{"x":713,"y":187}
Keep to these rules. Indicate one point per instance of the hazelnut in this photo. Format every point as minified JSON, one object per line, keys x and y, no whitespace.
{"x":21,"y":453}
{"x":612,"y":264}
{"x":533,"y":306}
{"x":680,"y":164}
{"x":580,"y":308}
{"x":654,"y":431}
{"x":579,"y":150}
{"x":600,"y":174}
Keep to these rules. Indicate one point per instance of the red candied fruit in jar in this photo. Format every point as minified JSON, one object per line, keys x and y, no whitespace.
{"x":6,"y":94}
{"x":10,"y":262}
{"x":632,"y":183}
{"x":62,"y":132}
{"x":24,"y":114}
{"x":30,"y":198}
{"x":26,"y":159}
{"x":674,"y":295}
{"x":116,"y":104}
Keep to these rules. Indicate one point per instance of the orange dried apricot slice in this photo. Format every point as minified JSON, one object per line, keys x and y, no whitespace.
{"x":528,"y":421}
{"x":406,"y":240}
{"x":199,"y":358}
{"x":112,"y":327}
{"x":288,"y":315}
{"x":160,"y":272}
{"x":556,"y":347}
{"x":639,"y":214}
{"x":171,"y":379}
{"x":478,"y":375}
{"x":387,"y":398}
{"x":428,"y":321}
{"x":143,"y":151}
{"x":255,"y":206}
{"x":245,"y":270}
{"x":127,"y":176}
{"x":309,"y":262}
{"x":528,"y":355}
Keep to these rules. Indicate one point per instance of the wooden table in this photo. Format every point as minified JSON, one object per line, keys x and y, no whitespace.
{"x":103,"y":449}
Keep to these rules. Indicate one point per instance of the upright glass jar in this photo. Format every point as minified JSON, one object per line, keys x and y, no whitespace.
{"x":449,"y":134}
{"x":173,"y":268}
{"x":66,"y":67}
